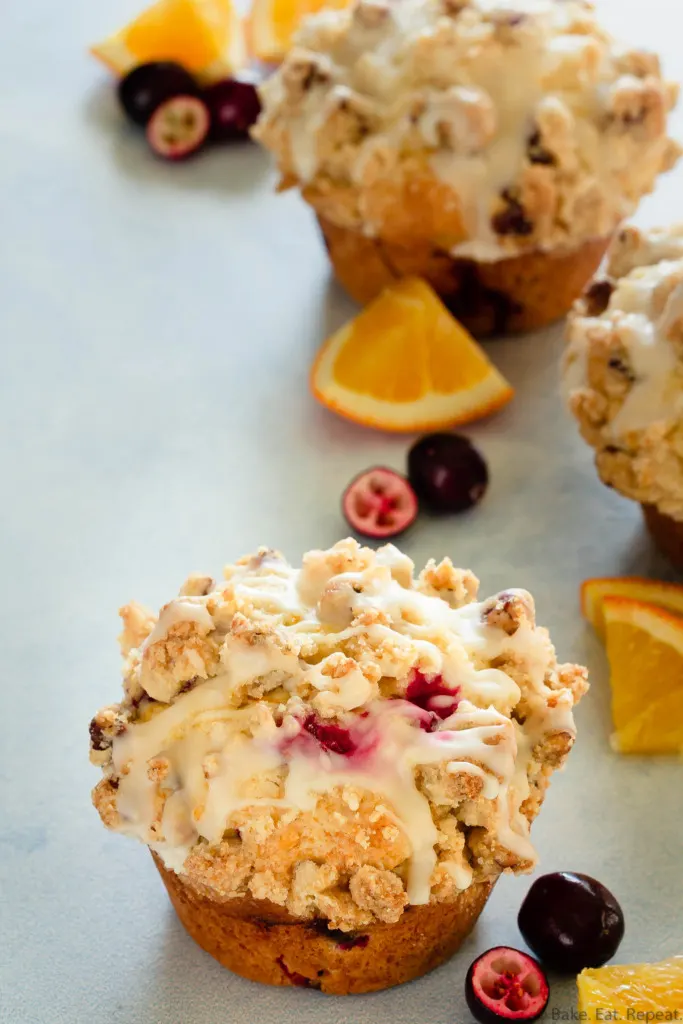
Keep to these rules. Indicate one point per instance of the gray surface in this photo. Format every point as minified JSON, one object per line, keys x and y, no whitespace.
{"x":156,"y":329}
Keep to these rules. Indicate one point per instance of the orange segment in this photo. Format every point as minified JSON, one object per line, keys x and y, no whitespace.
{"x":645,"y":651}
{"x":273,"y":23}
{"x":631,"y":990}
{"x":205,"y":36}
{"x":593,"y":593}
{"x":404,"y":363}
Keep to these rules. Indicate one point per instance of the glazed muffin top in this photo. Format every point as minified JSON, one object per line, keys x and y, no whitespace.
{"x":340,"y":740}
{"x":495,"y":126}
{"x":624,"y":368}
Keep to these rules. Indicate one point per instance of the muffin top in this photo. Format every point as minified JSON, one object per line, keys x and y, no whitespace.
{"x":340,"y":740}
{"x":624,"y":368}
{"x":489,"y":126}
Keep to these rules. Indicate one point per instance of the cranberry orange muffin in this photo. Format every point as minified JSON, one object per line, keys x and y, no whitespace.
{"x":489,"y":146}
{"x":624,"y":376}
{"x":333,"y":765}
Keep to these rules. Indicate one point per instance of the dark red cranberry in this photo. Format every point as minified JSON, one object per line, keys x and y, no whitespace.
{"x":234,"y":107}
{"x":432,"y":695}
{"x":354,"y":942}
{"x":379,"y":503}
{"x":293,"y":977}
{"x":178,"y":128}
{"x":505,"y":984}
{"x":447,"y":472}
{"x":571,"y":921}
{"x":330,"y":735}
{"x":149,"y":85}
{"x":343,"y":940}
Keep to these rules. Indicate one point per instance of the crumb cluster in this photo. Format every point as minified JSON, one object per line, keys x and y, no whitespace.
{"x":397,"y":119}
{"x":335,"y":739}
{"x":624,"y":368}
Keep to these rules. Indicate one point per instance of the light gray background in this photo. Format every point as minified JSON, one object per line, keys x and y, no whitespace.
{"x":157,"y":324}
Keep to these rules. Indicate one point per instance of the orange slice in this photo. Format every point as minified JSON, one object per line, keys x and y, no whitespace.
{"x":593,"y":593}
{"x":205,"y":36}
{"x":405,"y":364}
{"x":645,"y":651}
{"x":273,"y":23}
{"x":645,"y":992}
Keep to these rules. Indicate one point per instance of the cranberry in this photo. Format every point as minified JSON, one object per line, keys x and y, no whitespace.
{"x":149,"y":85}
{"x":504,"y":984}
{"x":293,"y":977}
{"x":178,"y":128}
{"x":330,"y":735}
{"x":571,"y":921}
{"x":433,"y":696}
{"x":343,"y":940}
{"x":447,"y":472}
{"x":234,"y":107}
{"x":379,"y":503}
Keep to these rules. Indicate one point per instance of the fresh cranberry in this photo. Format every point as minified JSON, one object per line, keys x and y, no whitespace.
{"x":178,"y":127}
{"x":571,"y":921}
{"x":505,"y":984}
{"x":149,"y":85}
{"x":234,"y":107}
{"x":379,"y":503}
{"x":447,"y":472}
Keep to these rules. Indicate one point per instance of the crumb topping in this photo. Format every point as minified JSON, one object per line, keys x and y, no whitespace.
{"x":484,"y":127}
{"x":342,"y":739}
{"x":624,"y":368}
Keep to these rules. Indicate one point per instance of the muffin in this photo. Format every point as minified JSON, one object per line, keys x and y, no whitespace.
{"x":492,"y":148}
{"x":333,"y":765}
{"x":624,"y":376}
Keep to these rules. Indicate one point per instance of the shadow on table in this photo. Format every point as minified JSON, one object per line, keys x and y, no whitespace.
{"x":234,"y":168}
{"x":641,"y":558}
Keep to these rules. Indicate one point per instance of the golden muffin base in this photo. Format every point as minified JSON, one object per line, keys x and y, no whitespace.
{"x":521,"y":293}
{"x":667,"y":534}
{"x":261,"y":942}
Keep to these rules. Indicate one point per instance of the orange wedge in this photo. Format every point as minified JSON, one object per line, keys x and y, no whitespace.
{"x":205,"y":36}
{"x":405,"y":364}
{"x":645,"y":992}
{"x":273,"y":23}
{"x":645,"y":652}
{"x":593,"y":593}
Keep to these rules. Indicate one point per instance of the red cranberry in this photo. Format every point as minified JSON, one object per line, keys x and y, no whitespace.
{"x":571,"y":921}
{"x":432,"y":695}
{"x":178,"y":128}
{"x":149,"y":85}
{"x":293,"y":977}
{"x":447,"y":472}
{"x":330,"y":735}
{"x":234,"y":107}
{"x":379,"y":503}
{"x":504,"y":984}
